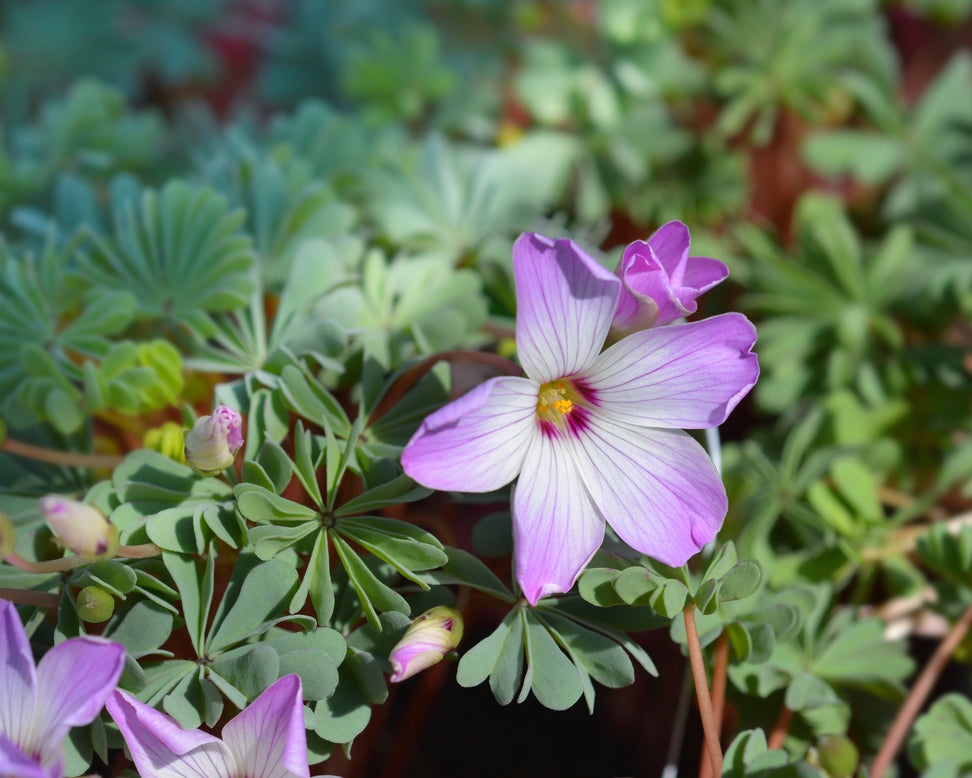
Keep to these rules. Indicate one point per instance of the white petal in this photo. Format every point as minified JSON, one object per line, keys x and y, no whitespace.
{"x":685,"y":376}
{"x":74,"y":678}
{"x":657,"y":488}
{"x":160,"y":748}
{"x":565,"y":303}
{"x":18,"y":676}
{"x":556,"y":527}
{"x":476,"y":443}
{"x":268,"y":739}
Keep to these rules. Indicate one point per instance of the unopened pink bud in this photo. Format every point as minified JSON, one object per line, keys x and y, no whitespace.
{"x":213,"y":441}
{"x":81,"y":528}
{"x":430,"y":637}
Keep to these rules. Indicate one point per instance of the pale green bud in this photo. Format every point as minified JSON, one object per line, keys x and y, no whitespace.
{"x":429,"y":638}
{"x":7,"y":538}
{"x":213,"y":441}
{"x":81,"y":528}
{"x":838,"y":755}
{"x":95,"y":604}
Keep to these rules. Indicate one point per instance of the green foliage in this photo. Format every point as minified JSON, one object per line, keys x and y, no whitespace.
{"x":909,"y":147}
{"x":941,"y":740}
{"x":179,"y":251}
{"x":805,"y":55}
{"x":563,"y":649}
{"x":304,"y":211}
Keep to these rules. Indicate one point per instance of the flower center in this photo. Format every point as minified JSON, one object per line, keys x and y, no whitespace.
{"x":553,"y":400}
{"x":564,"y":406}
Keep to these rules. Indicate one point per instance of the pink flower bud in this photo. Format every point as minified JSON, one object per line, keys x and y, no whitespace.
{"x":81,"y":528}
{"x":430,"y":637}
{"x":213,"y":441}
{"x":660,"y":281}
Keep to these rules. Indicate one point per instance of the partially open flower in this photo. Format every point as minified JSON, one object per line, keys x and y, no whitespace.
{"x":81,"y":528}
{"x":213,"y":441}
{"x":660,"y":281}
{"x":430,"y":637}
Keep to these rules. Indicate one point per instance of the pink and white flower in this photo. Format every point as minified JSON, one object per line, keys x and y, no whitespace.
{"x":40,"y":704}
{"x":266,"y":740}
{"x":594,"y":436}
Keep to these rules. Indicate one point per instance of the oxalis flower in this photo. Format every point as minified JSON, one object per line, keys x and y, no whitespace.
{"x":660,"y":281}
{"x":594,"y":436}
{"x":39,"y":705}
{"x":266,"y":740}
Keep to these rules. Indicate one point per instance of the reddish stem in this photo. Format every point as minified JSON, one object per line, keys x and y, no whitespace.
{"x":918,"y":694}
{"x":719,"y":672}
{"x":709,"y":726}
{"x":28,"y":597}
{"x":780,"y":728}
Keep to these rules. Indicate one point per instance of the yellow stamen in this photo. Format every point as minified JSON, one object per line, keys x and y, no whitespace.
{"x":556,"y":401}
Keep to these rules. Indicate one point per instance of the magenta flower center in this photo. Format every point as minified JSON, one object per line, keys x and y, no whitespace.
{"x":563,"y":405}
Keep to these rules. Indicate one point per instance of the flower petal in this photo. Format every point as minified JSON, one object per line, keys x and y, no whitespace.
{"x":160,"y":748}
{"x":476,"y":443}
{"x":74,"y":679}
{"x":565,"y":303}
{"x":687,"y":376}
{"x":14,"y":762}
{"x":556,"y":527}
{"x":657,"y":488}
{"x":18,"y":676}
{"x":268,"y":738}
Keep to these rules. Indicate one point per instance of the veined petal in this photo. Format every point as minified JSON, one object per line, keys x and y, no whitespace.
{"x":14,"y":762}
{"x":565,"y":303}
{"x":74,"y":679}
{"x":556,"y":527}
{"x":685,"y":376}
{"x":160,"y":748}
{"x":268,"y":738}
{"x":476,"y":443}
{"x":657,"y":488}
{"x":670,"y":244}
{"x":18,"y":676}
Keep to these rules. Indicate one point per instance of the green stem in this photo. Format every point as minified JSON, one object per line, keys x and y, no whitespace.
{"x":709,"y":725}
{"x":71,"y":562}
{"x":55,"y":457}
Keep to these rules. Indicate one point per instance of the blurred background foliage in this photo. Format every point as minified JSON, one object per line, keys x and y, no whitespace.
{"x":276,"y":200}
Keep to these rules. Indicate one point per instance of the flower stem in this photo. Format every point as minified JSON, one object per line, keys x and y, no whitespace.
{"x":918,"y":694}
{"x":719,"y":672}
{"x":29,"y":597}
{"x":709,"y":725}
{"x":55,"y":457}
{"x":71,"y":562}
{"x":141,"y":551}
{"x":780,"y":728}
